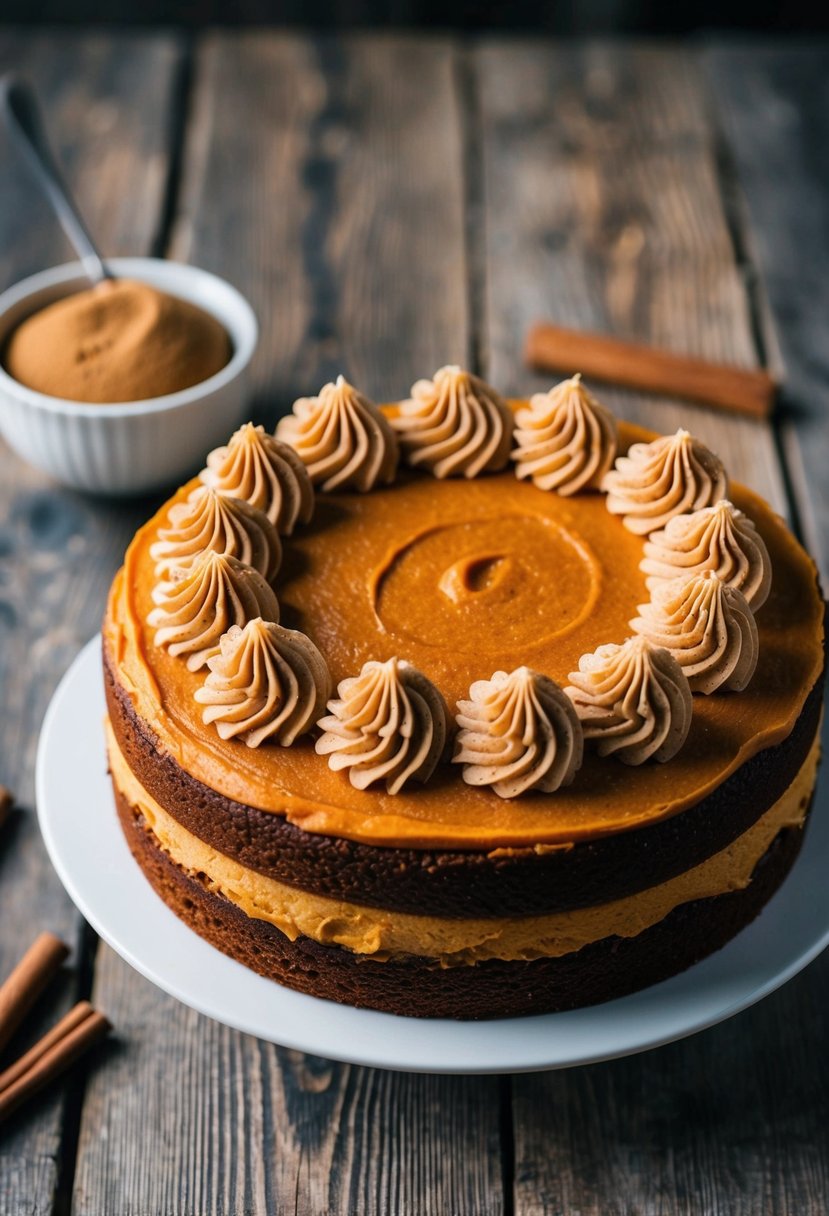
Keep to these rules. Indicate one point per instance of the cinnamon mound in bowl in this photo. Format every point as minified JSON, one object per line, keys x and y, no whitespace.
{"x":118,"y":341}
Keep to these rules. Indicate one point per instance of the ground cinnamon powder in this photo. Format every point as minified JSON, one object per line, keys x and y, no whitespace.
{"x":118,"y":341}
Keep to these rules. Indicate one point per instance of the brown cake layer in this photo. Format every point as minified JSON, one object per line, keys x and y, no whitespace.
{"x":599,"y":972}
{"x":459,"y":883}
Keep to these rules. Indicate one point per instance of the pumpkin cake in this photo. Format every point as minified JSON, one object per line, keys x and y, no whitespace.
{"x":464,"y":708}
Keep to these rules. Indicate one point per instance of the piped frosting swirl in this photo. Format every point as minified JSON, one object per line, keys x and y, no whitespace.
{"x":633,"y":700}
{"x":707,"y":626}
{"x":194,"y":609}
{"x":455,"y":425}
{"x":387,"y":724}
{"x":656,"y":481}
{"x":210,"y":520}
{"x":342,"y":438}
{"x":265,"y":684}
{"x":518,"y":732}
{"x":565,"y":440}
{"x":257,"y":468}
{"x":719,"y":538}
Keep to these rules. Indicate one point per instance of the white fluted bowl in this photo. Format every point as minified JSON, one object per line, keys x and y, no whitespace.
{"x":129,"y":447}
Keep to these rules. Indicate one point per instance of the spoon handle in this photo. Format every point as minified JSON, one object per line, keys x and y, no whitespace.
{"x":20,"y":109}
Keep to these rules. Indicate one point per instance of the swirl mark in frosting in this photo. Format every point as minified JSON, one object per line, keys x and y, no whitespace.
{"x":633,"y":700}
{"x":455,"y":425}
{"x":655,"y":481}
{"x":566,"y":441}
{"x":518,"y":732}
{"x":719,"y":538}
{"x":257,"y":468}
{"x":266,"y":683}
{"x":707,"y":626}
{"x":342,"y":438}
{"x":210,"y":520}
{"x":388,"y":724}
{"x":203,"y":602}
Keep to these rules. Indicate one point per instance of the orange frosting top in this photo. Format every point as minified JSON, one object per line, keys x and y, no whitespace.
{"x":462,"y":579}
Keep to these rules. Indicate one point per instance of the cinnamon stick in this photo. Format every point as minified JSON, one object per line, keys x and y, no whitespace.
{"x":749,"y":392}
{"x":26,"y":982}
{"x":69,"y":1021}
{"x":74,"y":1034}
{"x":6,"y":803}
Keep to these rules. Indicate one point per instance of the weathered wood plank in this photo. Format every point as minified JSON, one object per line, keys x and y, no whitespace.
{"x":774,"y":106}
{"x":731,"y":1122}
{"x":324,"y":179}
{"x":604,"y":209}
{"x":221,"y":1122}
{"x":107,"y":100}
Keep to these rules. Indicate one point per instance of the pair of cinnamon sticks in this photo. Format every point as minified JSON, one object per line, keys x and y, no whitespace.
{"x":62,"y":1045}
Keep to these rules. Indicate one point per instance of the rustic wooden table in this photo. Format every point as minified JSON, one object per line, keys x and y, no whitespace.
{"x":389,"y":205}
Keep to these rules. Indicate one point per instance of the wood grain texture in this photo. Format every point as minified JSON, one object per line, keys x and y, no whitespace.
{"x":604,"y":208}
{"x":604,"y":212}
{"x":220,"y":1122}
{"x":322,"y":178}
{"x":730,"y":1122}
{"x":773,"y":104}
{"x":107,"y":99}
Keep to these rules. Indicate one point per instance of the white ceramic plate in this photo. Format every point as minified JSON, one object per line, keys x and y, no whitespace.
{"x":83,"y":836}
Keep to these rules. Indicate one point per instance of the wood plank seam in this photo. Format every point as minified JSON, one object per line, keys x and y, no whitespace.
{"x":761,"y":323}
{"x":182,"y":92}
{"x":773,"y":104}
{"x":467,"y":90}
{"x":86,"y":951}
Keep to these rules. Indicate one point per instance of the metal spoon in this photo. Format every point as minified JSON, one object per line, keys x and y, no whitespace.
{"x":22,"y":114}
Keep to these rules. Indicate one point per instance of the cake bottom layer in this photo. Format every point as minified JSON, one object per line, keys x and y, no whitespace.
{"x":606,"y":969}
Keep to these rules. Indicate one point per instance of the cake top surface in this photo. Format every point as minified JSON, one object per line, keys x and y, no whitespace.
{"x":463,"y":579}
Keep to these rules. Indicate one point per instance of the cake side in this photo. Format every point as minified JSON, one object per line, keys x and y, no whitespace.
{"x":608,"y":969}
{"x":388,"y":934}
{"x":462,"y":882}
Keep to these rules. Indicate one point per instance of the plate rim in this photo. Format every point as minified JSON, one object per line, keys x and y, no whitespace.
{"x":337,"y":1049}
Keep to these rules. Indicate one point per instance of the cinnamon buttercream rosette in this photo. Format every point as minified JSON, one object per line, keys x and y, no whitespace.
{"x":455,"y":425}
{"x":264,"y":472}
{"x":565,"y":440}
{"x":342,"y":438}
{"x":266,"y":684}
{"x":518,"y":732}
{"x":214,"y":521}
{"x":655,"y":481}
{"x":720,"y":538}
{"x":203,"y":602}
{"x":707,"y":626}
{"x":387,"y":724}
{"x":633,"y":700}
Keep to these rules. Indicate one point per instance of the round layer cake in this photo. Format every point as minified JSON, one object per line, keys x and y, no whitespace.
{"x":442,"y":898}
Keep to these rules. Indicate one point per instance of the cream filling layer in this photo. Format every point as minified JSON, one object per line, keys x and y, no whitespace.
{"x":379,"y":934}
